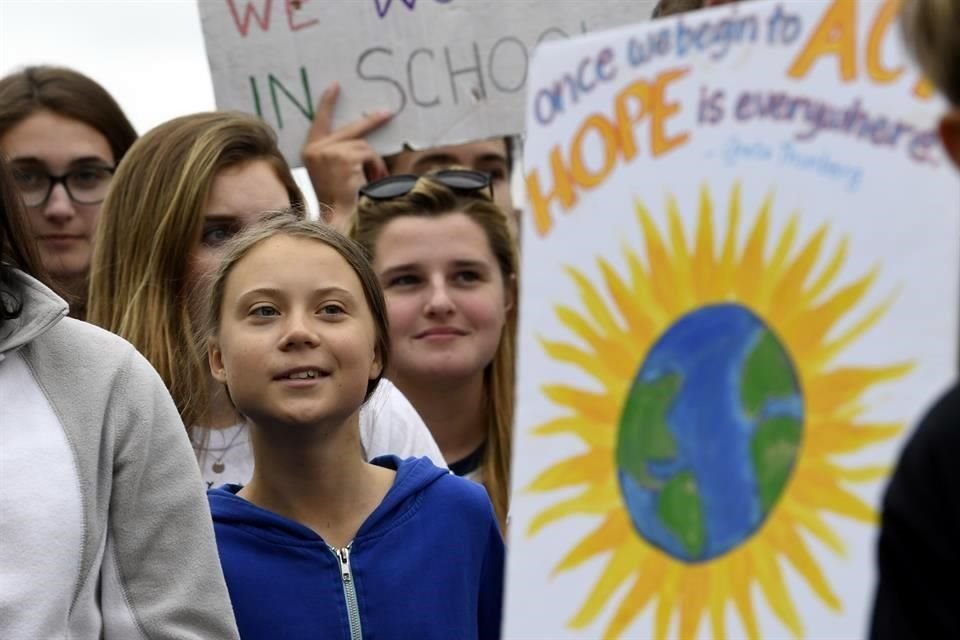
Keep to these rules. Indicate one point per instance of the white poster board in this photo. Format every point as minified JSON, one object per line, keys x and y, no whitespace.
{"x":738,"y":293}
{"x":451,"y":70}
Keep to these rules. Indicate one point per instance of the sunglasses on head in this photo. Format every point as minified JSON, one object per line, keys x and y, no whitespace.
{"x":462,"y":180}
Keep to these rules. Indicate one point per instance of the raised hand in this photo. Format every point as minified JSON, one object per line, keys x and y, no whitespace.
{"x":341,"y":161}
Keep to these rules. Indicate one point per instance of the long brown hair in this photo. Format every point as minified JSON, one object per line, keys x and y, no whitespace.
{"x":73,"y":95}
{"x":67,"y":93}
{"x":149,"y":225}
{"x":18,"y":249}
{"x":431,"y":199}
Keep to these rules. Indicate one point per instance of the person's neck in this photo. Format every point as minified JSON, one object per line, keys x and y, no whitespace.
{"x":220,"y":412}
{"x":318,"y":479}
{"x":455,"y":412}
{"x":73,"y":289}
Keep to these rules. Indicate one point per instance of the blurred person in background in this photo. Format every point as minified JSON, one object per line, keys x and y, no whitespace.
{"x":64,"y":136}
{"x":104,"y":530}
{"x":917,"y":553}
{"x":187,"y":187}
{"x":340,"y":161}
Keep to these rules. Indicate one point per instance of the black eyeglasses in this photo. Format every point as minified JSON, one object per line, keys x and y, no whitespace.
{"x":464,"y":180}
{"x":84,"y":185}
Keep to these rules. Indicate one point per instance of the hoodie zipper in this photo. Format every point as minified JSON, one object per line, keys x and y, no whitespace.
{"x":349,"y":591}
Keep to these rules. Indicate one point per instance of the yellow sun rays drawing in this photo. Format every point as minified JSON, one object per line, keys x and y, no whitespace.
{"x":792,"y":286}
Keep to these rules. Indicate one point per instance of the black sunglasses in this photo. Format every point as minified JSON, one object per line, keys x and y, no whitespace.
{"x":465,"y":180}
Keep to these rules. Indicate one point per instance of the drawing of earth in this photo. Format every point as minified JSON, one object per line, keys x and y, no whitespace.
{"x":709,"y":433}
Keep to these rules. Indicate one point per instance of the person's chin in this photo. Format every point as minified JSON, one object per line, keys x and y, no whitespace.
{"x":65,"y":265}
{"x":317,"y":415}
{"x":293,"y":421}
{"x":451,"y":370}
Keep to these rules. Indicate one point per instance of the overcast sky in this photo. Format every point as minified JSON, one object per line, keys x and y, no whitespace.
{"x":148,"y":53}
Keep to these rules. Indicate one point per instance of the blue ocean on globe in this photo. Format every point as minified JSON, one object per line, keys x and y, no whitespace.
{"x":709,"y":433}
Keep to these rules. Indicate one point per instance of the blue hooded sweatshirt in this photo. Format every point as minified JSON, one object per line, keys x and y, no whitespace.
{"x":427,"y":563}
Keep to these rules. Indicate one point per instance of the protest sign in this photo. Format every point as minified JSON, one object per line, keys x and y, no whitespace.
{"x":738,"y":293}
{"x":451,"y":70}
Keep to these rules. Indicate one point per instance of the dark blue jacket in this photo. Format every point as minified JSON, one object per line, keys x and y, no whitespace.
{"x":427,"y":563}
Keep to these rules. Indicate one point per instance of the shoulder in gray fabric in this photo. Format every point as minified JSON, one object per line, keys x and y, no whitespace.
{"x":138,"y":477}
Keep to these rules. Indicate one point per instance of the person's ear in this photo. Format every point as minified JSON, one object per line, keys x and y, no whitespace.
{"x":950,"y":135}
{"x":376,"y":365}
{"x":215,"y":359}
{"x":510,"y":293}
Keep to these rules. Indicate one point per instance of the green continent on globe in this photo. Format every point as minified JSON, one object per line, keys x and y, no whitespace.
{"x":767,"y":372}
{"x":644,"y":434}
{"x":773,"y":449}
{"x":681,"y":511}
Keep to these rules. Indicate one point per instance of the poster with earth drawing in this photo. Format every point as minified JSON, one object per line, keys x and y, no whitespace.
{"x":738,"y":294}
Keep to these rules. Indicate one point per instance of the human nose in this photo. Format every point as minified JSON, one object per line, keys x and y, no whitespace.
{"x":299,"y":332}
{"x":439,"y":302}
{"x":59,"y":207}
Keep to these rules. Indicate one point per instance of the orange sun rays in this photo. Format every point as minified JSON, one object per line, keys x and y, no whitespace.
{"x":793,"y":285}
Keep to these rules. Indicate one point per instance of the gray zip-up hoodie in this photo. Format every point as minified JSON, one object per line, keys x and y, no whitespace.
{"x":104,"y":528}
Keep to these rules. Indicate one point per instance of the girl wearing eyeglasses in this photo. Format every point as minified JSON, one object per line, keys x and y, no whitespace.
{"x":104,"y":530}
{"x":63,"y":135}
{"x":447,"y":263}
{"x":187,"y":187}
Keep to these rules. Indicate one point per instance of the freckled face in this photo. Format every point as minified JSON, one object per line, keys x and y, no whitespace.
{"x":296,"y":342}
{"x":445,"y":295}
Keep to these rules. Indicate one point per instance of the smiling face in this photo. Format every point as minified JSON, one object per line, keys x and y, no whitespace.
{"x":295,"y":345}
{"x":446,"y":297}
{"x":54,"y":144}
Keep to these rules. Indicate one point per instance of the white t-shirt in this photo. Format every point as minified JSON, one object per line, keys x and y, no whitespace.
{"x":388,"y":425}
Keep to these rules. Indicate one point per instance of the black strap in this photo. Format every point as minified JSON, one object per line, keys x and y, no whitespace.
{"x":470,"y":463}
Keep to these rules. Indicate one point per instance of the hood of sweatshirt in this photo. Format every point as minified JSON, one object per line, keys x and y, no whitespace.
{"x":414,"y":475}
{"x":42,"y":309}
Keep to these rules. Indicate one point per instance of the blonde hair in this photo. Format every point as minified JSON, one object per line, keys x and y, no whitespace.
{"x":290,"y":223}
{"x":150,"y":224}
{"x":931,"y":31}
{"x":431,"y":199}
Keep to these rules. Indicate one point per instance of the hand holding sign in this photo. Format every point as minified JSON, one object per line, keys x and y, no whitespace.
{"x":341,"y":161}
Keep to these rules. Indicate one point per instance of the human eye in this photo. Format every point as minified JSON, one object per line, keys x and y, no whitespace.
{"x":216,"y":235}
{"x":498,"y":173}
{"x":263,"y":311}
{"x":30,"y":177}
{"x":332,"y":309}
{"x":497,"y":170}
{"x":403,"y":280}
{"x":467,"y":276}
{"x":88,"y":177}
